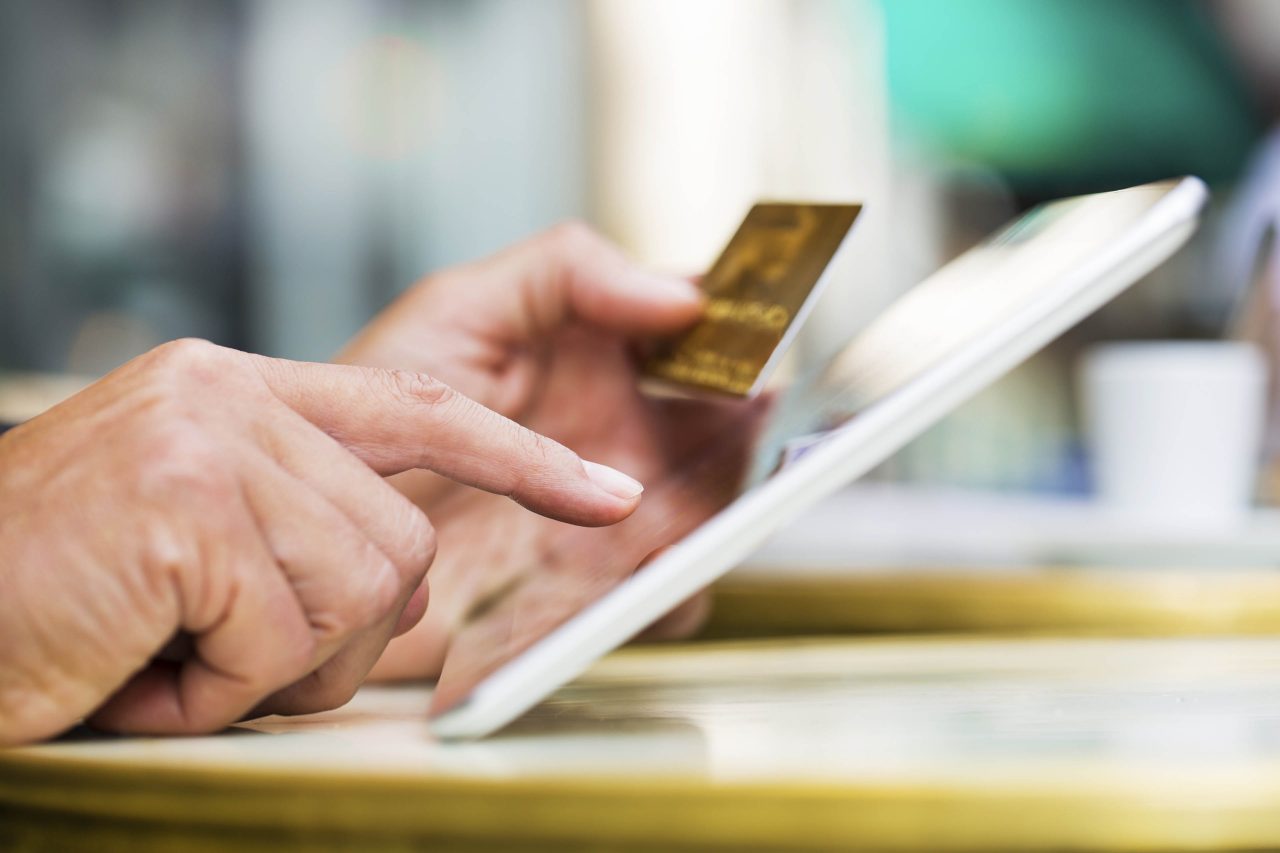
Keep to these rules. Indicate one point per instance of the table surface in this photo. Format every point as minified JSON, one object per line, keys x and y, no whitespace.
{"x":921,"y":744}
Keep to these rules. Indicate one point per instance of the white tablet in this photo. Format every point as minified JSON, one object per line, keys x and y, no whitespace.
{"x":946,"y":339}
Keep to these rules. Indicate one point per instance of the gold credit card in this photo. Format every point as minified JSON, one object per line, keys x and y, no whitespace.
{"x":758,"y":292}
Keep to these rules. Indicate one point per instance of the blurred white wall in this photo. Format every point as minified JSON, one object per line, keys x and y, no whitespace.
{"x":700,"y":109}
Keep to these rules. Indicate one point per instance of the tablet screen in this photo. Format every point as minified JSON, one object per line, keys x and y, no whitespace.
{"x":713,"y":452}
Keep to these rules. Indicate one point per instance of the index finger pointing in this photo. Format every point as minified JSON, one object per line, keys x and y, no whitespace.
{"x":395,"y":420}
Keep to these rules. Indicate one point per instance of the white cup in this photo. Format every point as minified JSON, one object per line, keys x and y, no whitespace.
{"x":1174,"y":428}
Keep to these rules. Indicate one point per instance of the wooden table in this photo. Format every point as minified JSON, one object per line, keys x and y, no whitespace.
{"x":939,"y":744}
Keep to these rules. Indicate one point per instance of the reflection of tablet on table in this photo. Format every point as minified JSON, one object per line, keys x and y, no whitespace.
{"x":943,"y":341}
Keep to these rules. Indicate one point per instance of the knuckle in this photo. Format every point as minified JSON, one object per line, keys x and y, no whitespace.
{"x":181,"y":460}
{"x":177,"y":439}
{"x":190,"y":359}
{"x":535,"y":446}
{"x":289,"y":656}
{"x":363,"y":597}
{"x":420,"y":388}
{"x":385,"y":589}
{"x":167,"y":561}
{"x":293,"y":649}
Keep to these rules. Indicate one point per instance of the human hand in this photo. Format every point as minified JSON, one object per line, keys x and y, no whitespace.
{"x":206,"y":534}
{"x":544,"y":333}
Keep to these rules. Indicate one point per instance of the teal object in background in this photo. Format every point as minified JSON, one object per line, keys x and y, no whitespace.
{"x":1069,"y":95}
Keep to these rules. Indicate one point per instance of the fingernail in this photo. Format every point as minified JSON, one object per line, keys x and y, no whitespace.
{"x":613,"y":481}
{"x":668,"y":287}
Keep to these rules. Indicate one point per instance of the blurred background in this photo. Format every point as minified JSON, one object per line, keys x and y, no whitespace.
{"x":267,"y":174}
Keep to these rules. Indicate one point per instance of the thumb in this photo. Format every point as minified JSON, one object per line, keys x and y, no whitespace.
{"x":571,"y":273}
{"x":395,"y":420}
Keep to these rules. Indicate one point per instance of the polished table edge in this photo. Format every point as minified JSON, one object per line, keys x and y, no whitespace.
{"x":1062,"y":601}
{"x":1023,"y":815}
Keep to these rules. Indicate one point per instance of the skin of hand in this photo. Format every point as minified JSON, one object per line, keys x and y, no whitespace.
{"x":205,"y":534}
{"x":545,"y":334}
